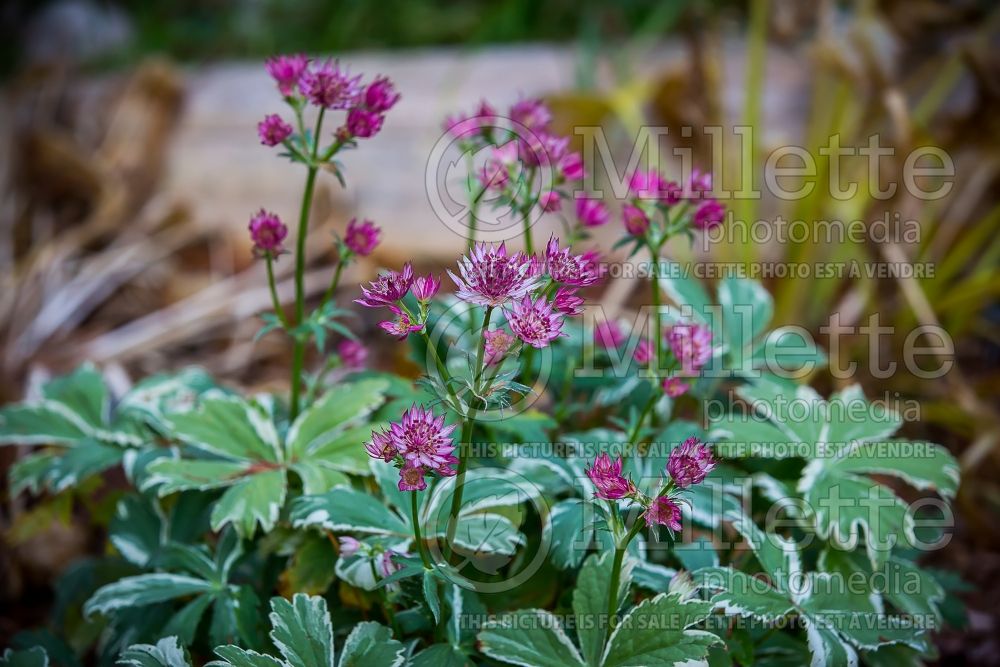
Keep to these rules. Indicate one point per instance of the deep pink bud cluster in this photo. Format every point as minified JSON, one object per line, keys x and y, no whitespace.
{"x":419,"y":443}
{"x":273,"y":130}
{"x":287,"y":72}
{"x":650,"y":191}
{"x":636,"y":221}
{"x":607,"y":478}
{"x":690,"y":463}
{"x":425,"y":287}
{"x":353,"y":354}
{"x":361,"y":238}
{"x":674,"y":387}
{"x":591,"y":212}
{"x":267,"y":233}
{"x":651,"y":185}
{"x":691,"y":345}
{"x":609,"y":335}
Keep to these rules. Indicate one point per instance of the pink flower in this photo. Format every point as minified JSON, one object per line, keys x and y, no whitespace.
{"x":384,"y":563}
{"x":411,"y":478}
{"x":663,"y":511}
{"x":543,"y":148}
{"x":591,"y":212}
{"x":691,"y":345}
{"x":352,"y":353}
{"x":607,"y":477}
{"x":700,"y":183}
{"x":567,"y":302}
{"x":491,"y":277}
{"x":267,"y":232}
{"x":534,"y":322}
{"x":363,"y":123}
{"x":571,"y":166}
{"x":674,"y":387}
{"x":424,"y":288}
{"x":461,"y":126}
{"x":497,"y":343}
{"x":690,"y":463}
{"x":330,"y":87}
{"x":286,"y":71}
{"x":273,"y":130}
{"x":609,"y":335}
{"x":567,"y":268}
{"x":550,"y":202}
{"x":636,"y":222}
{"x":423,"y":440}
{"x":381,"y":95}
{"x":709,"y":214}
{"x":349,"y":546}
{"x":388,"y":288}
{"x":402,"y":326}
{"x":531,"y":113}
{"x":647,"y":184}
{"x":495,"y":174}
{"x":381,"y":447}
{"x":363,"y":238}
{"x":644,"y":352}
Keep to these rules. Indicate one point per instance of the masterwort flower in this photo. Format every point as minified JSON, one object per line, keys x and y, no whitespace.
{"x":690,"y":463}
{"x":663,"y":511}
{"x":380,"y":95}
{"x":691,"y":345}
{"x":381,"y":447}
{"x":591,"y":212}
{"x":636,"y":222}
{"x":491,"y":277}
{"x":273,"y":130}
{"x":422,"y":439}
{"x":352,"y":353}
{"x":330,"y":87}
{"x":361,"y":238}
{"x":425,"y":287}
{"x":608,"y":479}
{"x":567,"y":268}
{"x":497,"y":342}
{"x":567,"y":302}
{"x":388,"y":288}
{"x":674,"y":387}
{"x":287,"y":71}
{"x":534,"y":321}
{"x":402,"y":326}
{"x":267,"y":232}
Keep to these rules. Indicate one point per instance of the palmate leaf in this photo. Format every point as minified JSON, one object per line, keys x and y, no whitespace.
{"x":529,"y":637}
{"x":167,"y":652}
{"x":142,"y":590}
{"x":248,"y":459}
{"x":590,"y":603}
{"x":843,"y":440}
{"x":31,"y":657}
{"x":658,"y":631}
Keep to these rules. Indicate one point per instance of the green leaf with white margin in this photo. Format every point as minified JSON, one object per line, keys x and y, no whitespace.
{"x":487,"y":533}
{"x":747,"y":309}
{"x":83,"y":392}
{"x":229,"y":427}
{"x":328,"y":429}
{"x":743,"y":594}
{"x":344,"y":509}
{"x":31,"y":657}
{"x":159,"y":396}
{"x":137,"y":530}
{"x":143,"y":589}
{"x":301,"y":630}
{"x":165,"y":653}
{"x":372,"y":645}
{"x":255,"y":499}
{"x":530,"y":638}
{"x":440,"y":655}
{"x":87,"y":457}
{"x":590,"y":602}
{"x":658,"y":631}
{"x":234,"y":656}
{"x":169,"y":475}
{"x":826,"y":646}
{"x":572,"y":532}
{"x":684,"y":290}
{"x":431,"y":597}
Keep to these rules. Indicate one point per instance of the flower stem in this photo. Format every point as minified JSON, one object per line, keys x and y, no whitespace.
{"x":634,"y":435}
{"x":616,"y":574}
{"x":415,"y":514}
{"x":657,"y":325}
{"x":274,"y":292}
{"x":333,"y":284}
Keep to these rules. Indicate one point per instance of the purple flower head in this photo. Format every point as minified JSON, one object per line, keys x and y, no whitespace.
{"x":491,"y":277}
{"x":381,"y":447}
{"x":591,"y":212}
{"x":567,"y":302}
{"x":497,"y":343}
{"x":571,"y":167}
{"x":423,"y":440}
{"x":349,"y":546}
{"x":402,"y":326}
{"x":267,"y":232}
{"x":700,"y":183}
{"x":663,"y":511}
{"x":644,"y":352}
{"x":352,"y":353}
{"x":388,"y":288}
{"x":495,"y":174}
{"x":609,"y":335}
{"x":380,"y":95}
{"x":424,"y":288}
{"x":287,"y":71}
{"x":647,"y":184}
{"x":363,"y":123}
{"x":690,"y":463}
{"x":709,"y":214}
{"x":636,"y":222}
{"x":273,"y":130}
{"x":567,"y":268}
{"x":531,"y":113}
{"x":674,"y":387}
{"x":411,"y":478}
{"x":534,"y":322}
{"x":550,"y":202}
{"x":363,"y":238}
{"x":330,"y":87}
{"x":691,"y":345}
{"x":607,"y":477}
{"x":385,"y":565}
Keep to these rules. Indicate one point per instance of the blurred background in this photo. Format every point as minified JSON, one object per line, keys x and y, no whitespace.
{"x":130,"y":166}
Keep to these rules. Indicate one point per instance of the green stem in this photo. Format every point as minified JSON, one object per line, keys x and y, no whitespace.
{"x":299,"y":349}
{"x":384,"y":603}
{"x":616,"y":574}
{"x":526,"y":215}
{"x":333,"y":284}
{"x":634,"y":435}
{"x":416,"y":530}
{"x":274,"y":292}
{"x":657,"y":325}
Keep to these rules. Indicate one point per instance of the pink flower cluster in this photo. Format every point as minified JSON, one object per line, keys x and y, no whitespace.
{"x":419,"y":443}
{"x":361,"y":239}
{"x":690,"y":463}
{"x":652,"y":192}
{"x":331,"y":87}
{"x":389,"y":289}
{"x":689,"y":344}
{"x":267,"y":233}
